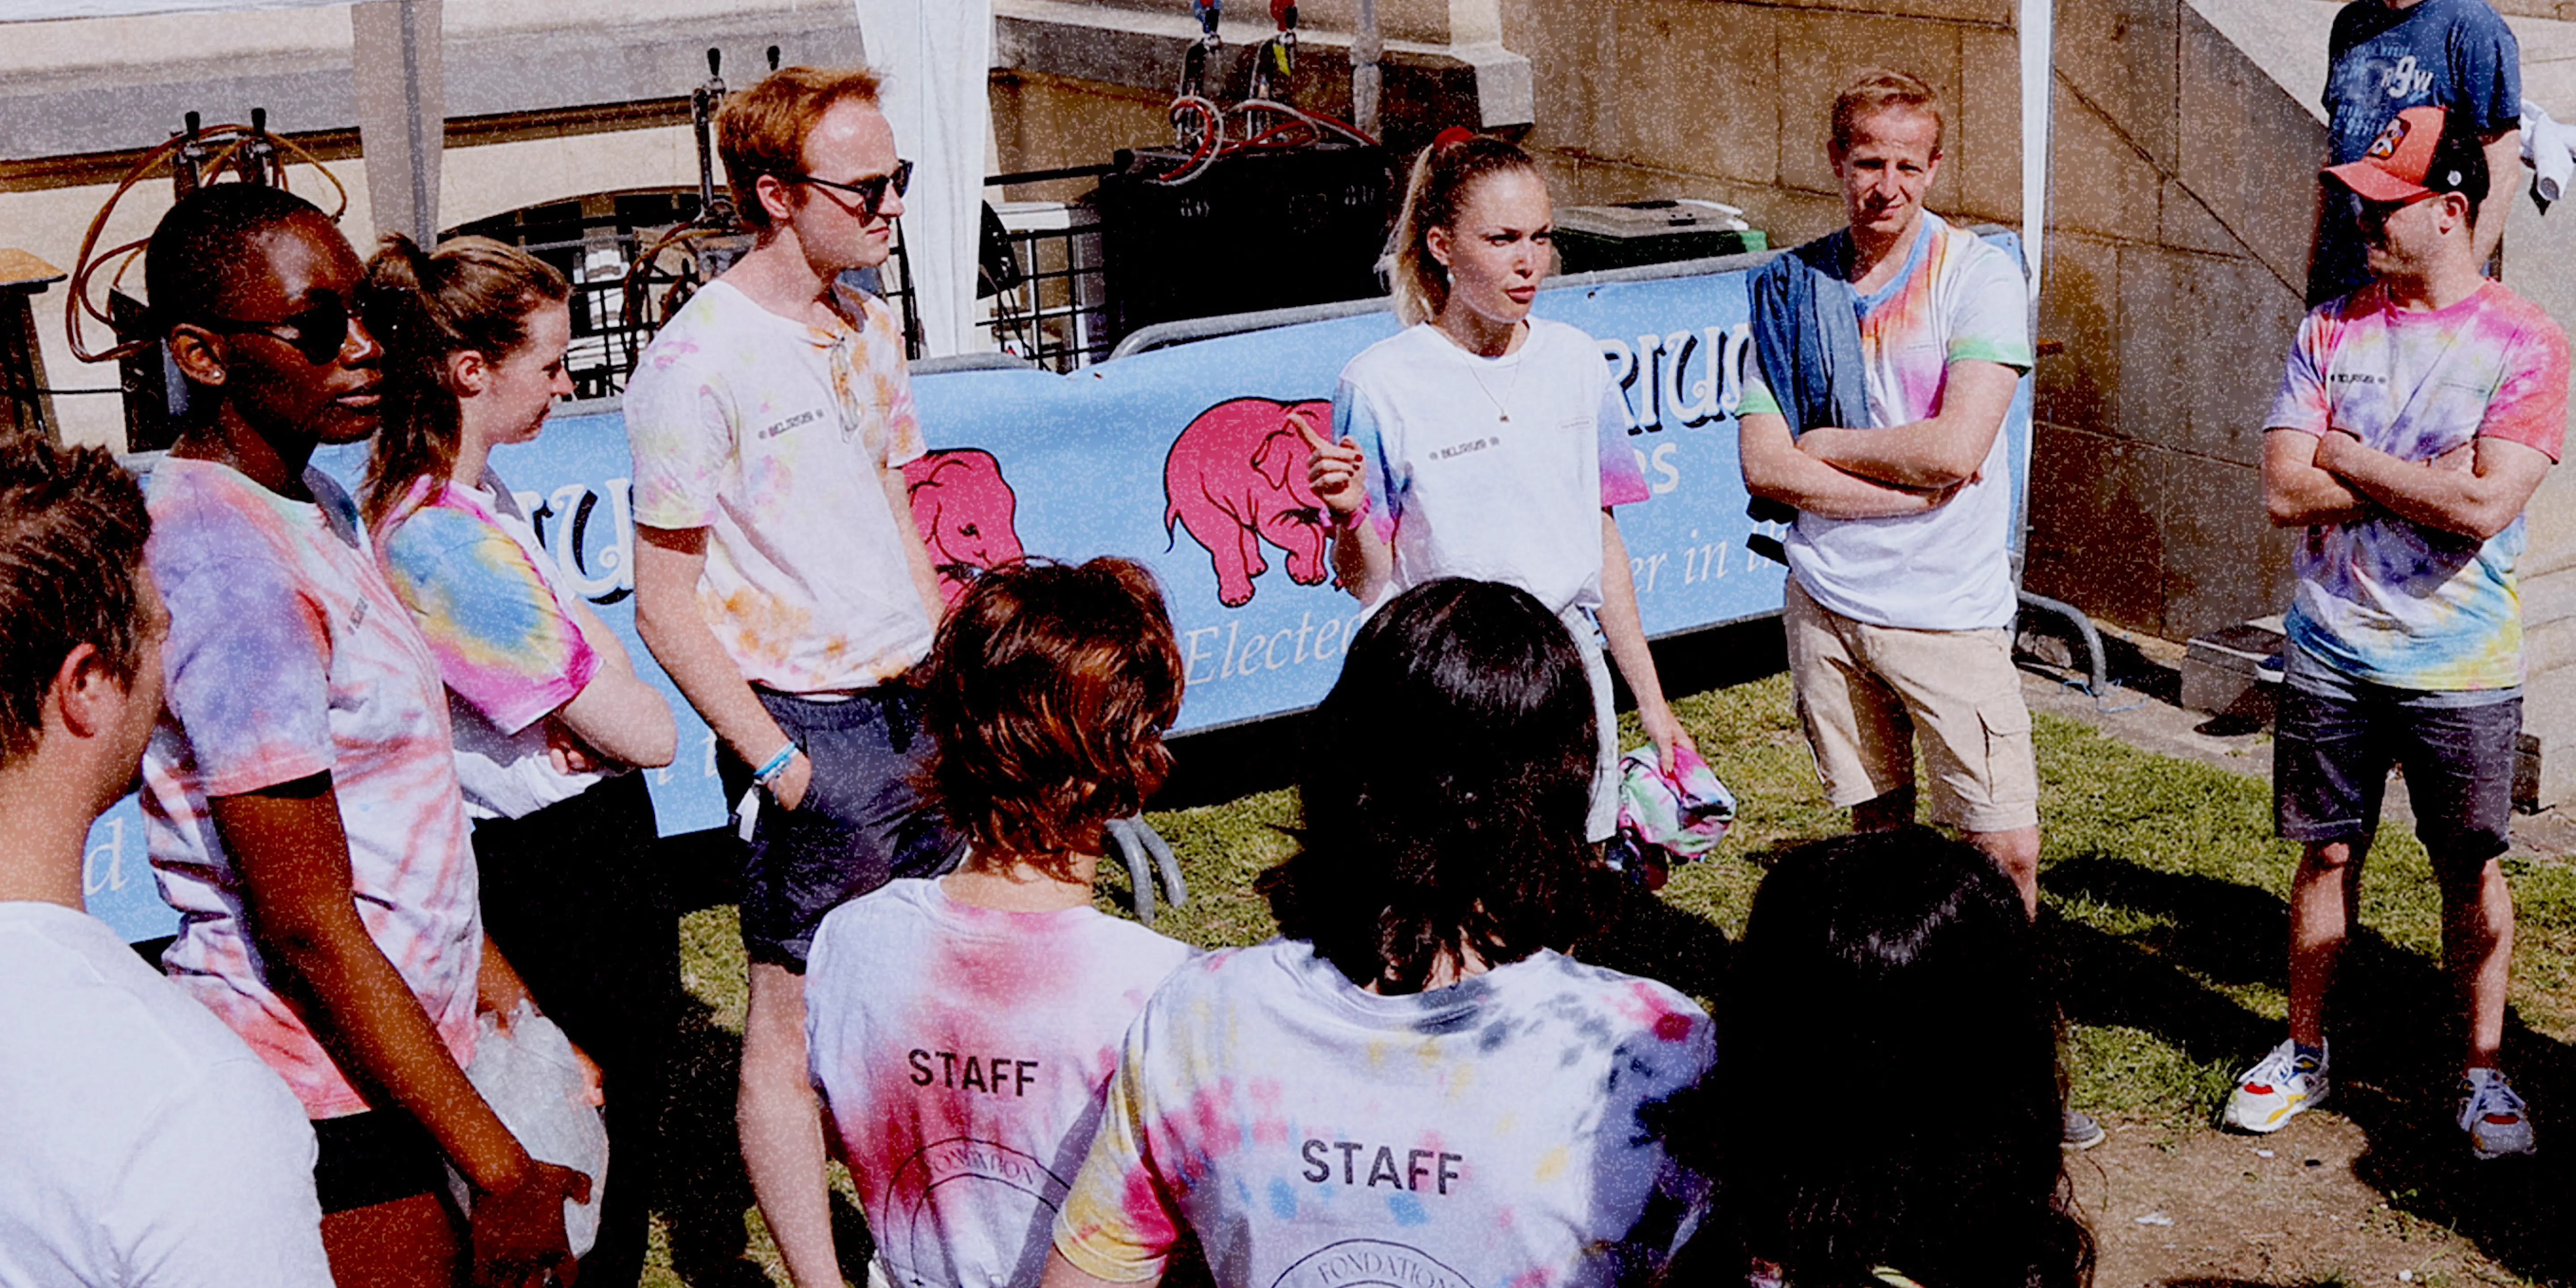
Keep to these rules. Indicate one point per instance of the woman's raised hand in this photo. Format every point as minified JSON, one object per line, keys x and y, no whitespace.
{"x":1333,"y":472}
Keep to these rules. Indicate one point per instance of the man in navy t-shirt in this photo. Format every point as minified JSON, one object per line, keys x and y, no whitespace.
{"x":2389,"y":55}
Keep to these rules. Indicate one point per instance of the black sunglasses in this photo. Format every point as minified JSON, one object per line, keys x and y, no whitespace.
{"x":870,"y":191}
{"x":318,"y":333}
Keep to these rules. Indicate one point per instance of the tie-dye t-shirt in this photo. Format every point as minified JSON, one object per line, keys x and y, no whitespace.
{"x":962,"y":1053}
{"x":1957,"y":300}
{"x":484,"y":595}
{"x":289,"y":656}
{"x":1457,"y":490}
{"x":2384,"y":599}
{"x":773,"y":434}
{"x":1497,"y":1132}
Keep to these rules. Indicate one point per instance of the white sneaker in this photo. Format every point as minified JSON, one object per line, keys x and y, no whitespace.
{"x":2279,"y":1087}
{"x":2493,"y":1116}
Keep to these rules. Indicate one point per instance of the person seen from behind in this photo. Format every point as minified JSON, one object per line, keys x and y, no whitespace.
{"x":1411,"y":1083}
{"x":1895,"y":951}
{"x":963,"y":1029}
{"x":148,"y":1146}
{"x":2416,"y":417}
{"x":548,"y":713}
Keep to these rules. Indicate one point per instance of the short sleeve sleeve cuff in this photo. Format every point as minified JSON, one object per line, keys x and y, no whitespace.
{"x":1756,"y":399}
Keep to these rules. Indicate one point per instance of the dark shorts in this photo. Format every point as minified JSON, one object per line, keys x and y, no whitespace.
{"x":2332,"y":754}
{"x":374,"y":1157}
{"x":861,"y":822}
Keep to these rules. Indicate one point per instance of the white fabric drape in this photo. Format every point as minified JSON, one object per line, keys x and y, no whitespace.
{"x":934,"y":55}
{"x":2038,"y":75}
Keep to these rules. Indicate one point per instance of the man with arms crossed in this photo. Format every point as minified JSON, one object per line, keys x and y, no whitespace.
{"x":2389,"y":55}
{"x":780,"y":581}
{"x":146,"y":1144}
{"x":1900,"y":598}
{"x":2415,"y":419}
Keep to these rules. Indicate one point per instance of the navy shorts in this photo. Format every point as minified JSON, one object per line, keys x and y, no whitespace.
{"x":2332,"y":754}
{"x":373,"y":1157}
{"x":861,"y":823}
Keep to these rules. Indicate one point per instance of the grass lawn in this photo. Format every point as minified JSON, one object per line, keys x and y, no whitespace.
{"x":2161,"y":894}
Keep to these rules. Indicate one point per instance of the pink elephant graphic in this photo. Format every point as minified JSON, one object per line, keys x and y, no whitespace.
{"x":1237,"y":478}
{"x":966,"y":512}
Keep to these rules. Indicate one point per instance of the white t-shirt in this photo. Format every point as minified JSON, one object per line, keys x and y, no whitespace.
{"x":1458,"y":491}
{"x":771,"y":433}
{"x":144,"y":1143}
{"x":961,"y":1053}
{"x":1312,"y":1134}
{"x":1949,"y":569}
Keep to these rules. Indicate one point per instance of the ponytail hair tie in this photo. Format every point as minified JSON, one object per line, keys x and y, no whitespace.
{"x":1454,"y":134}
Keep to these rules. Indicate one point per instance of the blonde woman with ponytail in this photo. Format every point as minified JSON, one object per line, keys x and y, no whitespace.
{"x":1483,"y":442}
{"x":547,"y":710}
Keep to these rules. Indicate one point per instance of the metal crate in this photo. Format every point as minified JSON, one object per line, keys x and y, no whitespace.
{"x":1055,"y":314}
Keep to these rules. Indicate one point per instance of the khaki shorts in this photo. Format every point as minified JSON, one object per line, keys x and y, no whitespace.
{"x":1865,"y":691}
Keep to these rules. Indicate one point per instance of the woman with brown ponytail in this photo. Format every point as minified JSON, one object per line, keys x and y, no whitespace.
{"x":549,"y":715}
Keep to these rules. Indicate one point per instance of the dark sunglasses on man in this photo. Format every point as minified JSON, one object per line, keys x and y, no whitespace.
{"x":870,"y":191}
{"x":317,"y":333}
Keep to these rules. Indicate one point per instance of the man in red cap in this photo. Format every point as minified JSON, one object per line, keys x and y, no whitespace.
{"x":2415,"y":419}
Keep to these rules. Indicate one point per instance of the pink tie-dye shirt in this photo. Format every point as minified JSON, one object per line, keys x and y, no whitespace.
{"x":962,"y":1053}
{"x":289,"y":656}
{"x":2384,"y":599}
{"x":1496,"y":1132}
{"x":773,"y":434}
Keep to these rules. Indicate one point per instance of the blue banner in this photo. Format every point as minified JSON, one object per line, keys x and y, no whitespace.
{"x":1188,"y":459}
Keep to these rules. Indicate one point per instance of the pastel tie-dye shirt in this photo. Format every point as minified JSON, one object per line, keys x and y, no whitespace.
{"x":773,"y":434}
{"x":2384,"y":599}
{"x":289,"y":656}
{"x":506,"y":639}
{"x":1499,"y":1133}
{"x":1457,"y":490}
{"x":1958,"y":299}
{"x":962,"y":1053}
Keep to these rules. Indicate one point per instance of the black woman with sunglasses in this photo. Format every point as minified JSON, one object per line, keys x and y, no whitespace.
{"x":781,"y":582}
{"x":300,"y":794}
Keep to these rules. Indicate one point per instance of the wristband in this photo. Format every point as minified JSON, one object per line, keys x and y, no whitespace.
{"x":775,"y":766}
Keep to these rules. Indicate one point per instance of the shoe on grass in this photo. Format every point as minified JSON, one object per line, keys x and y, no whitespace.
{"x":2082,"y":1132}
{"x":2493,"y":1116}
{"x":2279,"y":1087}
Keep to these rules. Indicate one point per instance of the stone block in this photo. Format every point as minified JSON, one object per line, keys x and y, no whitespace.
{"x":2223,"y":560}
{"x":2548,"y":646}
{"x":1693,"y":89}
{"x":2248,"y":149}
{"x":2234,"y":671}
{"x":2201,"y":343}
{"x":1992,"y":13}
{"x":2185,"y":223}
{"x":2547,"y":598}
{"x":2119,"y":56}
{"x":2549,"y":526}
{"x":2105,"y":185}
{"x":1821,"y":51}
{"x":2093,"y":539}
{"x":1985,"y":160}
{"x":2079,"y":303}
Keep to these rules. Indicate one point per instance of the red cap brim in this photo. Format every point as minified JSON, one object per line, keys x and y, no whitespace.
{"x":2374,"y":184}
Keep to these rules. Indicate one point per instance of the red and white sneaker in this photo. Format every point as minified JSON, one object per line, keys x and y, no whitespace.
{"x":2493,"y":1116}
{"x":2279,"y":1087}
